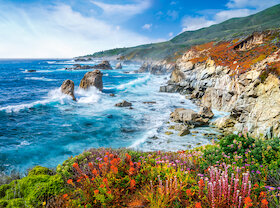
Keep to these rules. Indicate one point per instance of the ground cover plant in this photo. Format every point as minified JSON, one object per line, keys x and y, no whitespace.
{"x":237,"y":171}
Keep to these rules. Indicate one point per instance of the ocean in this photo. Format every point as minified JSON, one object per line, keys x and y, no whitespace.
{"x":41,"y":126}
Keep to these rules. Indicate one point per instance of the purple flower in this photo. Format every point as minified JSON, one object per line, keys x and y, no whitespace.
{"x":247,"y":165}
{"x":270,"y":188}
{"x":252,"y":171}
{"x":258,"y":172}
{"x":261,"y":166}
{"x":234,"y":163}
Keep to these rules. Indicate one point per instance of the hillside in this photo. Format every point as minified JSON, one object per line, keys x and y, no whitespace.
{"x":236,"y":27}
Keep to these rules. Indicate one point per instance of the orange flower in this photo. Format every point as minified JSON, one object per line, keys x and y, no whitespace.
{"x":65,"y":196}
{"x":106,"y":159}
{"x":101,"y":186}
{"x":107,"y":153}
{"x":94,"y":172}
{"x":96,"y":191}
{"x":248,"y":202}
{"x":201,"y":183}
{"x":264,"y":202}
{"x":188,"y":192}
{"x":131,"y":164}
{"x":92,"y":179}
{"x":109,"y":192}
{"x":70,"y":181}
{"x":262,"y":194}
{"x":111,"y":156}
{"x":132,"y":183}
{"x":79,"y":180}
{"x":128,"y":157}
{"x":91,"y":166}
{"x":100,"y":166}
{"x":131,"y":171}
{"x":75,"y":165}
{"x":256,"y":186}
{"x":198,"y":205}
{"x":114,"y":169}
{"x":139,"y":164}
{"x":105,"y":180}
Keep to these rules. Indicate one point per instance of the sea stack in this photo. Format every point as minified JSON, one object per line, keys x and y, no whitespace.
{"x":67,"y":88}
{"x":93,"y":78}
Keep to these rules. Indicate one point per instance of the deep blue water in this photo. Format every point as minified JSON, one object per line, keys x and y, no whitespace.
{"x":41,"y":126}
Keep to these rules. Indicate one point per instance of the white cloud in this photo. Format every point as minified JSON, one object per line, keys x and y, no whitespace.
{"x":194,"y":23}
{"x":123,"y":9}
{"x":58,"y":31}
{"x":236,"y":8}
{"x":258,"y":4}
{"x":147,"y":26}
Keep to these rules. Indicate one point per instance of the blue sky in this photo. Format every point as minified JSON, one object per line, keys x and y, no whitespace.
{"x":67,"y":28}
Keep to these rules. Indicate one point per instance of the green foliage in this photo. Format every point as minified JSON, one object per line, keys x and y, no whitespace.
{"x":33,"y":190}
{"x":38,"y":170}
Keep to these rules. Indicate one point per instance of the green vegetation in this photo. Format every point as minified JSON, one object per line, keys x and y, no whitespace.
{"x":237,"y":171}
{"x":230,"y":29}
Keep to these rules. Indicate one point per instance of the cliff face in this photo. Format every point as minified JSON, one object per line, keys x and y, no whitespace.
{"x":240,"y":77}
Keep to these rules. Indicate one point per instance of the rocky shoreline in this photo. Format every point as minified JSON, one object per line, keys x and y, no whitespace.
{"x":252,"y":98}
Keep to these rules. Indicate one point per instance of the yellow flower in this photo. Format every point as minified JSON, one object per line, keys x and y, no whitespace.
{"x":44,"y":203}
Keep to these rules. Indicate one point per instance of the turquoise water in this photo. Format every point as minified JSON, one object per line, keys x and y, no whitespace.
{"x":41,"y":126}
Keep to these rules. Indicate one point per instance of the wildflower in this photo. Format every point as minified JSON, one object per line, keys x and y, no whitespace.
{"x":248,"y":202}
{"x":79,"y":180}
{"x":94,"y":172}
{"x":105,"y":180}
{"x":128,"y":157}
{"x":132,"y":183}
{"x":264,"y":202}
{"x":96,"y":191}
{"x":131,"y":171}
{"x":198,"y":205}
{"x":262,"y":194}
{"x":107,"y":153}
{"x":106,"y":159}
{"x":114,"y":169}
{"x":70,"y":181}
{"x":256,"y":186}
{"x":102,"y":186}
{"x":258,"y":172}
{"x":188,"y":192}
{"x":109,"y":192}
{"x":111,"y":156}
{"x":90,"y":166}
{"x":65,"y":196}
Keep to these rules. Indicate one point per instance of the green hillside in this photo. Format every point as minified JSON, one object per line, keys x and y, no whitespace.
{"x":236,"y":27}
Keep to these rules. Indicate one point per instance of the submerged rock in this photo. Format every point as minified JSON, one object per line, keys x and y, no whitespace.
{"x":31,"y":70}
{"x":124,"y":104}
{"x":119,"y":66}
{"x":67,"y":88}
{"x":93,"y":78}
{"x":185,"y":131}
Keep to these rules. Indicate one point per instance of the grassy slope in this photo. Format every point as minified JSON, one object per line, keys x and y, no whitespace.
{"x":236,"y":27}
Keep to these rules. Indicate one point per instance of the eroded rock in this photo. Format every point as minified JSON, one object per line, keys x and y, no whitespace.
{"x":93,"y":78}
{"x":124,"y":104}
{"x":67,"y":88}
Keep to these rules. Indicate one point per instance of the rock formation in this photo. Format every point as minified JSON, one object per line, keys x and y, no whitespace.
{"x":93,"y":78}
{"x":67,"y":88}
{"x":252,"y":96}
{"x":159,"y":67}
{"x":124,"y":104}
{"x":118,"y":66}
{"x":105,"y":65}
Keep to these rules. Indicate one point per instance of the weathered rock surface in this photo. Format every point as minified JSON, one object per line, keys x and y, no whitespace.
{"x":105,"y":65}
{"x":118,"y":66}
{"x":252,"y":97}
{"x":124,"y":104}
{"x":188,"y":117}
{"x":206,"y":112}
{"x":67,"y":88}
{"x":31,"y":70}
{"x":93,"y":78}
{"x":159,"y":67}
{"x":185,"y":131}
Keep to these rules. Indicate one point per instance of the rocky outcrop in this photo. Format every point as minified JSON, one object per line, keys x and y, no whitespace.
{"x":93,"y":78}
{"x":82,"y":59}
{"x":105,"y":65}
{"x":160,"y":67}
{"x":189,"y":117}
{"x":252,"y":97}
{"x":67,"y":88}
{"x":119,"y":66}
{"x":124,"y":104}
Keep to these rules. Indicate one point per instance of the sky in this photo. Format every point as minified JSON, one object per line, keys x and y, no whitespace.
{"x":69,"y":28}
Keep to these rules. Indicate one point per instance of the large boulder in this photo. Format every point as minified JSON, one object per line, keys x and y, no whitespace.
{"x":206,"y":112}
{"x":189,"y":117}
{"x":104,"y":65}
{"x":67,"y":88}
{"x":119,"y":66}
{"x":93,"y":78}
{"x":124,"y":104}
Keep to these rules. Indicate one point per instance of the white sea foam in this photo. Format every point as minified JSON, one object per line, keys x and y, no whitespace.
{"x":135,"y":82}
{"x":40,"y":79}
{"x":53,"y":96}
{"x":51,"y":62}
{"x":91,"y":95}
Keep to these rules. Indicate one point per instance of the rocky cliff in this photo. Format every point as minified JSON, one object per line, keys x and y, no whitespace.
{"x":240,"y":77}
